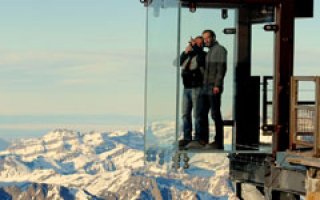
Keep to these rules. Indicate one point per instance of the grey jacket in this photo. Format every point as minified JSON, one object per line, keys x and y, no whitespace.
{"x":216,"y":66}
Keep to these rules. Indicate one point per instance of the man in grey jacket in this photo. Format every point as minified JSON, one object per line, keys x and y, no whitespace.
{"x":210,"y":95}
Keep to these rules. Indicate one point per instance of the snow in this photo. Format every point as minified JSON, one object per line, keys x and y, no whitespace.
{"x":113,"y":162}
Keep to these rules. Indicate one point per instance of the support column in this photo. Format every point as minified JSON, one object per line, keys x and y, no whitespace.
{"x":239,"y":190}
{"x":247,"y":96}
{"x":282,"y":73}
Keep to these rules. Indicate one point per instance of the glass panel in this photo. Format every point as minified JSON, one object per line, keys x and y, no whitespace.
{"x":161,"y":78}
{"x":306,"y":40}
{"x":164,"y":122}
{"x":263,"y":66}
{"x":192,"y":25}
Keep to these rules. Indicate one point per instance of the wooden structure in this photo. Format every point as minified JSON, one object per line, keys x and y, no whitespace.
{"x":304,"y":118}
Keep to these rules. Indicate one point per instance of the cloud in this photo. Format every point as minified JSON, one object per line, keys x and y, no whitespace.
{"x":68,"y":82}
{"x":76,"y":60}
{"x":68,"y":67}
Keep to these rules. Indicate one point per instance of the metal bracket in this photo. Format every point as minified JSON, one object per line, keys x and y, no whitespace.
{"x":146,"y":2}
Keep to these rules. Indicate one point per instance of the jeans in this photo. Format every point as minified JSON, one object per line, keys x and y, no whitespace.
{"x":209,"y":101}
{"x":190,"y":102}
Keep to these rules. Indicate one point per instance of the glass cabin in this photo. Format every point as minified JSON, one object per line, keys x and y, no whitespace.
{"x":246,"y":102}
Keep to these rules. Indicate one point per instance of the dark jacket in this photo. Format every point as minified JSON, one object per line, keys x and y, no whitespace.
{"x":193,"y":67}
{"x":216,"y":66}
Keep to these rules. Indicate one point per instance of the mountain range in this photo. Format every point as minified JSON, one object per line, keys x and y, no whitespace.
{"x":68,"y":164}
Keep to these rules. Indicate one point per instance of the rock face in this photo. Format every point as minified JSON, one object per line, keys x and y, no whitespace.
{"x":66,"y":164}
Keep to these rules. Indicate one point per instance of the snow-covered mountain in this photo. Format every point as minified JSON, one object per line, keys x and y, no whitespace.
{"x":67,"y":164}
{"x":43,"y":191}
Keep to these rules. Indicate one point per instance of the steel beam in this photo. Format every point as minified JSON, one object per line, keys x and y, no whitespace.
{"x":284,"y":52}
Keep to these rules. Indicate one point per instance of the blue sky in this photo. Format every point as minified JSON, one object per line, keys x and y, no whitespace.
{"x":71,"y":57}
{"x":87,"y":57}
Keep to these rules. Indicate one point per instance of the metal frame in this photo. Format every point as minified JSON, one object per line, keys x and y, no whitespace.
{"x":267,"y":127}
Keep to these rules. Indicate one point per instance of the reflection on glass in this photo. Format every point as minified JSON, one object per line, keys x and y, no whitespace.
{"x":193,"y":25}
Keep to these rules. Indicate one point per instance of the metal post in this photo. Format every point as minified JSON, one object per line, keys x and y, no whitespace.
{"x":293,"y":112}
{"x":246,"y":105}
{"x":283,"y":71}
{"x":242,"y":71}
{"x":239,"y":190}
{"x":317,"y":119}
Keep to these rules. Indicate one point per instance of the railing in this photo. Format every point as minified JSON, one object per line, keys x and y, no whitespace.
{"x":267,"y":127}
{"x":305,"y":116}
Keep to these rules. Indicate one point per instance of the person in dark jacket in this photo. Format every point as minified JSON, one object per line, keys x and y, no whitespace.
{"x":210,"y":95}
{"x":192,"y":61}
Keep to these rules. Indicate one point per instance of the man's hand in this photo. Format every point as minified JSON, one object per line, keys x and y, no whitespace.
{"x":215,"y":90}
{"x":188,"y":49}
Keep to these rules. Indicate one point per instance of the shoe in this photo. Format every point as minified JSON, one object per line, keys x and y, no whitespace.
{"x":195,"y":144}
{"x":183,"y":143}
{"x":213,"y":145}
